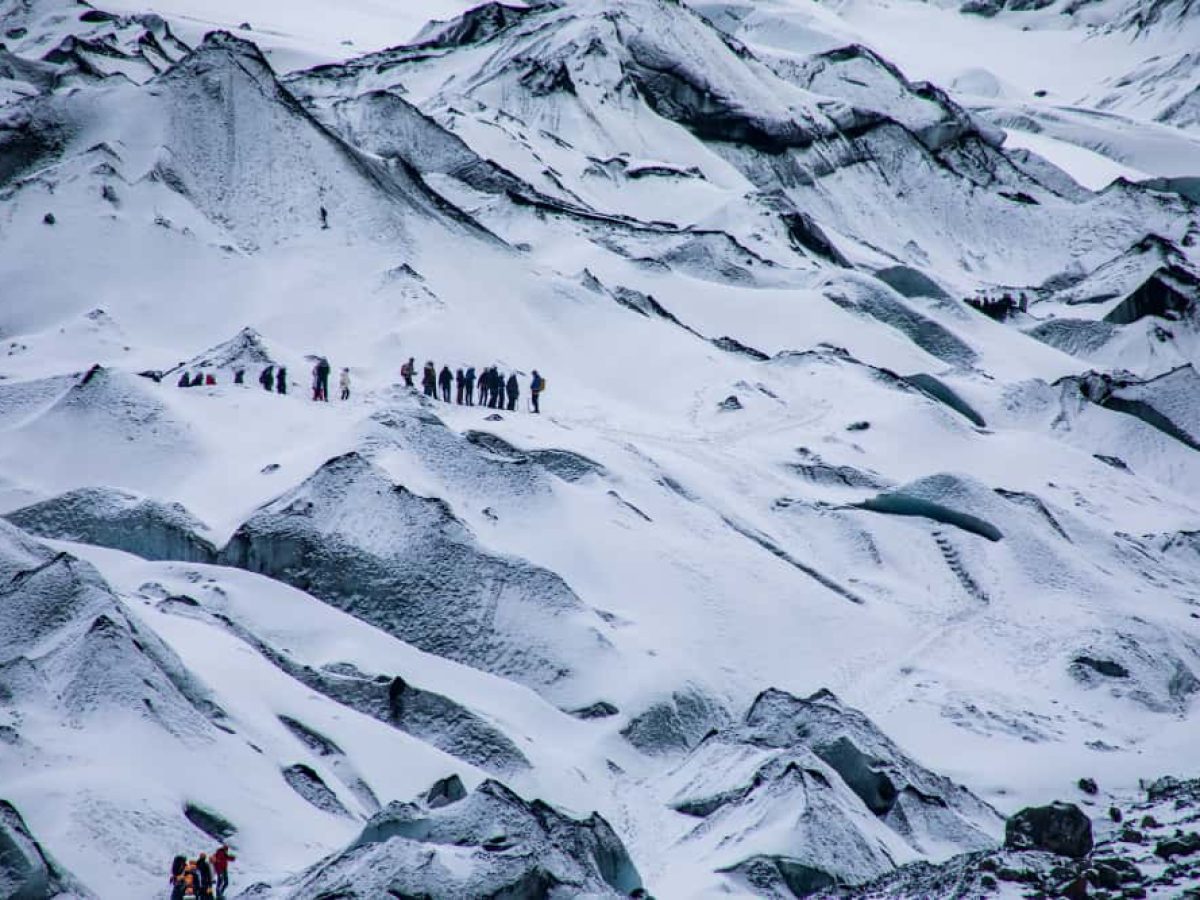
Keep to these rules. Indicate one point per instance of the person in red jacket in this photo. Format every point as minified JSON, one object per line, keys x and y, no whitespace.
{"x":221,"y":859}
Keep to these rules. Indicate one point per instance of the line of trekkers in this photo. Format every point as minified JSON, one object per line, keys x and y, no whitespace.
{"x":494,"y":388}
{"x":202,"y":878}
{"x":495,"y":391}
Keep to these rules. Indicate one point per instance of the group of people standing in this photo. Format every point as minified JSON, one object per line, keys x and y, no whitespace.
{"x":494,"y":389}
{"x":275,"y":377}
{"x":202,"y":878}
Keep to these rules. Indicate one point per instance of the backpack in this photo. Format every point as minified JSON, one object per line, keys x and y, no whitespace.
{"x":541,"y":385}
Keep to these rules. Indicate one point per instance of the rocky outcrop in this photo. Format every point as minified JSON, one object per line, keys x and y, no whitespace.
{"x":1060,"y":828}
{"x":27,"y":872}
{"x":676,"y":724}
{"x":850,"y":804}
{"x":351,"y":537}
{"x":112,"y":518}
{"x":488,"y":844}
{"x":70,"y":646}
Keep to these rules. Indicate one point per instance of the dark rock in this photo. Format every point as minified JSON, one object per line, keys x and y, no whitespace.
{"x":858,"y":426}
{"x":1181,"y":845}
{"x":675,"y":725}
{"x":1088,"y":786}
{"x":213,"y":824}
{"x":733,"y":345}
{"x":445,"y":791}
{"x":1060,"y":828}
{"x":1115,"y":814}
{"x":910,"y":282}
{"x":730,"y":404}
{"x":1132,"y":836}
{"x":48,"y":219}
{"x":1115,"y":461}
{"x":601,"y":709}
{"x":1104,"y":667}
{"x":308,"y":784}
{"x":771,"y":876}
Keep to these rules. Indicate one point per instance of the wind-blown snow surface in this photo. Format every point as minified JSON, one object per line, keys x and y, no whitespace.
{"x":778,"y":457}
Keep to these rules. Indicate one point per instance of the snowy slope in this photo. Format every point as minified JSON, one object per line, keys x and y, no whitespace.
{"x":779,"y":456}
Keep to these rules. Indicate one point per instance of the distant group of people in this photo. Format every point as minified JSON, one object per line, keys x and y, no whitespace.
{"x":999,"y":308}
{"x":202,"y":878}
{"x":494,"y":390}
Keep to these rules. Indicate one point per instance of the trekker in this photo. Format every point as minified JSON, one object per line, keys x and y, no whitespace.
{"x":221,"y":859}
{"x":191,"y":880}
{"x":536,"y":386}
{"x":205,"y":874}
{"x":497,"y":389}
{"x":184,"y":380}
{"x":323,"y":370}
{"x":280,"y":380}
{"x":445,"y":380}
{"x":407,"y":371}
{"x":239,"y":376}
{"x":483,"y":386}
{"x":514,"y":391}
{"x":198,"y":380}
{"x":178,"y":864}
{"x":429,"y":380}
{"x":469,"y":386}
{"x":459,"y":381}
{"x":344,"y":383}
{"x":267,"y":378}
{"x":210,"y":379}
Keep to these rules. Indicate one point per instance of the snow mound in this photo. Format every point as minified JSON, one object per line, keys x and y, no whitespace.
{"x":813,"y":791}
{"x":406,"y":564}
{"x":123,"y":521}
{"x":489,"y":843}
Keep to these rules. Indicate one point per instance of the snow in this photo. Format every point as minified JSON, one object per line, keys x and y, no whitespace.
{"x":839,"y":527}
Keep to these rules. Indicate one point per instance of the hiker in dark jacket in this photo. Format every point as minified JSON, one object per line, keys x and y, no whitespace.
{"x":321,"y":380}
{"x":280,"y":380}
{"x":429,"y":380}
{"x":469,"y":385}
{"x":459,"y":381}
{"x":267,"y":378}
{"x":445,"y":380}
{"x":514,"y":391}
{"x":497,"y":388}
{"x":408,"y":371}
{"x":185,"y":380}
{"x":536,"y":385}
{"x":239,"y":376}
{"x":178,"y":883}
{"x":204,"y":874}
{"x":198,"y":381}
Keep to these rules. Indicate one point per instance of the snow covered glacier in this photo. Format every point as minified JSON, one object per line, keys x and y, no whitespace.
{"x":860,"y":515}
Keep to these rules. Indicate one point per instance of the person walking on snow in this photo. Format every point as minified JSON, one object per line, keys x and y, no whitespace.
{"x":429,"y":380}
{"x":344,"y":383}
{"x":281,"y":380}
{"x":178,"y":884}
{"x":536,"y":386}
{"x":267,"y":378}
{"x":445,"y":379}
{"x":204,"y":874}
{"x":408,"y":371}
{"x":514,"y":391}
{"x":221,"y":859}
{"x":483,"y":386}
{"x":321,"y":377}
{"x":469,"y":385}
{"x":459,"y":381}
